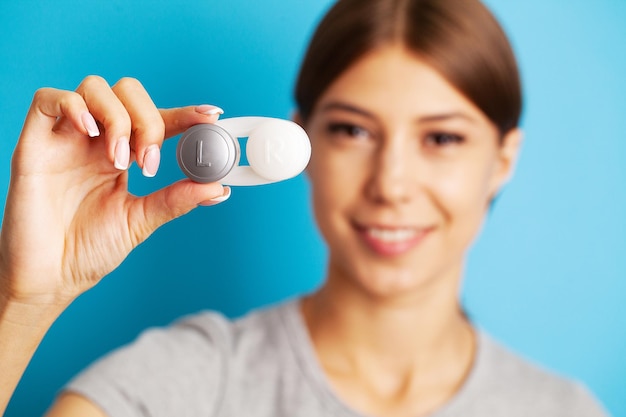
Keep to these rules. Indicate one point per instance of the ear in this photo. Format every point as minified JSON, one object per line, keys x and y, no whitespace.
{"x":508,"y":154}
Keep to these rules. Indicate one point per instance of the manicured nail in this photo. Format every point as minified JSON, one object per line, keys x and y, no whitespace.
{"x":90,"y":124}
{"x":209,"y":109}
{"x":151,"y":161}
{"x":122,"y":154}
{"x":217,"y":200}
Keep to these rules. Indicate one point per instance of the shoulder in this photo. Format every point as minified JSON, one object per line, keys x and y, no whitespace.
{"x":505,"y":380}
{"x":259,"y":329}
{"x":211,"y":332}
{"x":210,"y":337}
{"x":184,"y":366}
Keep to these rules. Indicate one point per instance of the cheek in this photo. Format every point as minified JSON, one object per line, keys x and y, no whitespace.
{"x":464,"y":191}
{"x":463,"y":196}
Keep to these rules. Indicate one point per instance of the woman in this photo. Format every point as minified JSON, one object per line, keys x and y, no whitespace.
{"x":412,"y":108}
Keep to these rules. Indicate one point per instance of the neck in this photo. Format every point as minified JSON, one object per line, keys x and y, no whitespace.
{"x":401,"y":342}
{"x":416,"y":321}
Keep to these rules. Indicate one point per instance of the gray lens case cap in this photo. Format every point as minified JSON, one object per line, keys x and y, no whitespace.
{"x":207,"y":152}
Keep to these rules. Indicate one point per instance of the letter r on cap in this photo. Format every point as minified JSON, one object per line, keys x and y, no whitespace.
{"x":273,"y":150}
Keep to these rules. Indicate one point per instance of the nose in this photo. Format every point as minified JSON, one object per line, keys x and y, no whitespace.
{"x":391,"y":174}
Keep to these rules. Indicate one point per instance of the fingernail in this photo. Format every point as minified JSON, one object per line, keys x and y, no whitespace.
{"x":122,"y":154}
{"x":217,"y":200}
{"x":209,"y":109}
{"x":90,"y":124}
{"x":151,"y":161}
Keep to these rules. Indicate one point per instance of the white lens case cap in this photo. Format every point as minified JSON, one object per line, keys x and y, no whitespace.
{"x":276,"y":150}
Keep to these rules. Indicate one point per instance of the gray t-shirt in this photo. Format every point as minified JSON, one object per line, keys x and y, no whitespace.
{"x":264,"y":365}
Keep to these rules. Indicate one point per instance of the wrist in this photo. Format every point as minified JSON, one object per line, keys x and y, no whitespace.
{"x":32,"y":313}
{"x":26,"y":306}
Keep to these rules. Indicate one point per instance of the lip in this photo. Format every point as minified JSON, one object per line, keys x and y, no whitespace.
{"x":392,"y":241}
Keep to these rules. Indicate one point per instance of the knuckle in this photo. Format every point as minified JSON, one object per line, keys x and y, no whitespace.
{"x":65,"y":99}
{"x":128,"y":83}
{"x":93,"y":81}
{"x":41,"y":94}
{"x":71,"y":99}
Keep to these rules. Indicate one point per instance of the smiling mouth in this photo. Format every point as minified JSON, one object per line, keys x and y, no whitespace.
{"x":391,"y":235}
{"x":392,"y":241}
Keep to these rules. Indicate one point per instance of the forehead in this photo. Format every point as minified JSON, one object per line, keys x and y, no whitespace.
{"x":393,"y":80}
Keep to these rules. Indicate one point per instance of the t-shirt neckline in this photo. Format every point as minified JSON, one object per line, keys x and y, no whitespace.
{"x":302,"y":345}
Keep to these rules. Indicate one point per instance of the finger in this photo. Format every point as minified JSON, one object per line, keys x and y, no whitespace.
{"x":50,"y":104}
{"x":179,"y":119}
{"x":148,"y":128}
{"x":150,"y":212}
{"x":111,"y":113}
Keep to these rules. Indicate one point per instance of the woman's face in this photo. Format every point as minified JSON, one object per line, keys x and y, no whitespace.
{"x":403,"y":168}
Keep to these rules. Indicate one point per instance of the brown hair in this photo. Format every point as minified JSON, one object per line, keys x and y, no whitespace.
{"x":460,"y":39}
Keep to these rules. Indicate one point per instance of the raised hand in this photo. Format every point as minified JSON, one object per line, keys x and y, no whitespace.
{"x":69,"y":218}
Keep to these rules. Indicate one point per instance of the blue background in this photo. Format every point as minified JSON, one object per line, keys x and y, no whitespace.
{"x":547,"y":277}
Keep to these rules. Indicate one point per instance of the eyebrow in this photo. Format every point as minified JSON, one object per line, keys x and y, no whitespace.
{"x":438,"y":117}
{"x":336,"y":105}
{"x":435,"y":117}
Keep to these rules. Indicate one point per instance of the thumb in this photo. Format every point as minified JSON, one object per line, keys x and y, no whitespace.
{"x":152,"y":211}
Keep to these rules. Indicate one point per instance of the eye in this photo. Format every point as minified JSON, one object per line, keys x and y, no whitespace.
{"x":439,"y":139}
{"x":348,"y":130}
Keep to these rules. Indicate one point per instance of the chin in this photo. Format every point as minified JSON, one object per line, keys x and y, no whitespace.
{"x":387,"y":283}
{"x":396,"y":279}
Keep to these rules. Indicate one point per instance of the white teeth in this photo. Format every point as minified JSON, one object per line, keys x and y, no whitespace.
{"x":392,"y":235}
